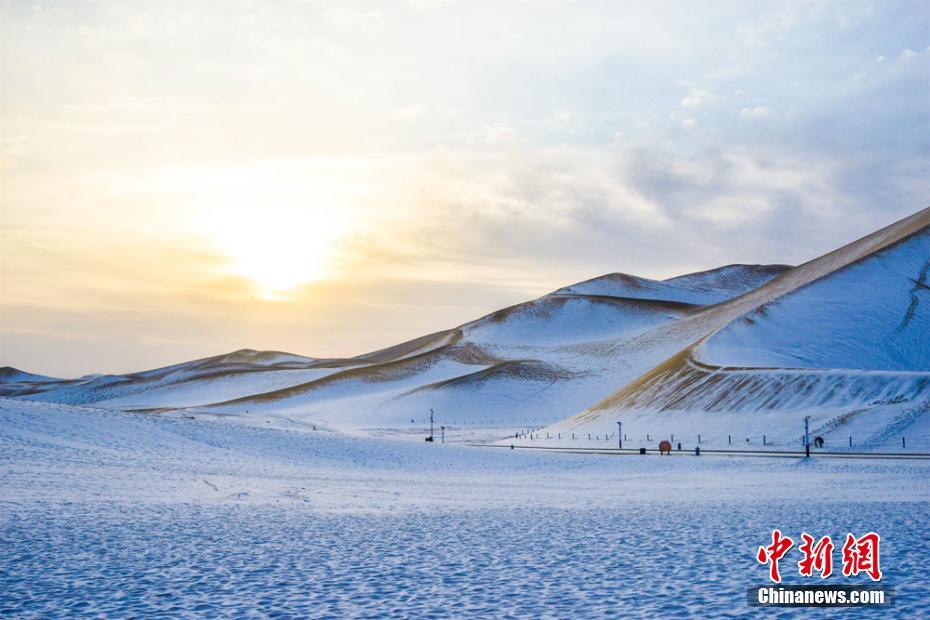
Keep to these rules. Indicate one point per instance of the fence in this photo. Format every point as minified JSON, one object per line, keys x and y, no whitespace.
{"x":684,"y":442}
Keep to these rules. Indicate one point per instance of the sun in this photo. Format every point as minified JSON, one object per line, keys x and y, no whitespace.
{"x":276,"y":248}
{"x":277,"y":223}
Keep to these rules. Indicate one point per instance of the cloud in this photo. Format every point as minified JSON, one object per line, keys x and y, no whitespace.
{"x":755,"y":113}
{"x":696,"y":98}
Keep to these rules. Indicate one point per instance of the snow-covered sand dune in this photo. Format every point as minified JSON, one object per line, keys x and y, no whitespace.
{"x":532,"y":363}
{"x":844,"y":338}
{"x":839,"y":336}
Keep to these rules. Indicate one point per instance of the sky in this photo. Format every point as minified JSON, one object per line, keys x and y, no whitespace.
{"x":183,"y":179}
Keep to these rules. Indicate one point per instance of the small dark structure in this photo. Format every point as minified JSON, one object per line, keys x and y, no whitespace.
{"x":818,"y":441}
{"x":665,"y":447}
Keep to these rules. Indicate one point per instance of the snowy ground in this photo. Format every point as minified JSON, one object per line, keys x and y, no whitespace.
{"x":108,"y":513}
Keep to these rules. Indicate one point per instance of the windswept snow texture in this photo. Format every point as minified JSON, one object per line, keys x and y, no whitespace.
{"x":871,"y":315}
{"x":107,"y":513}
{"x":653,"y":560}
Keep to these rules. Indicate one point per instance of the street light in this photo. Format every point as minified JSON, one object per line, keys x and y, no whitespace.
{"x":619,"y":435}
{"x":807,"y":438}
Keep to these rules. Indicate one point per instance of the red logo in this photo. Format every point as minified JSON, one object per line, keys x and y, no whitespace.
{"x":860,"y":555}
{"x":773,"y":553}
{"x":819,"y":556}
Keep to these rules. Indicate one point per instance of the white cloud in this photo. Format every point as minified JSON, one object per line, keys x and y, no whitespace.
{"x":755,"y":113}
{"x":697,"y":98}
{"x":689,"y":123}
{"x":907,"y":54}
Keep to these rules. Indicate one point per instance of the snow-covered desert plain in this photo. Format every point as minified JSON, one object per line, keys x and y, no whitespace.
{"x":268,"y":484}
{"x":116,"y":514}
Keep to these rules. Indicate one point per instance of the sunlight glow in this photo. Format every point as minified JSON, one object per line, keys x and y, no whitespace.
{"x":276,"y":251}
{"x":276,"y":230}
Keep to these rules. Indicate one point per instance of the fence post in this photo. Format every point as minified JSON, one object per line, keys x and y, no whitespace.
{"x":699,"y":438}
{"x":763,"y":440}
{"x":850,"y":441}
{"x":729,"y":440}
{"x":903,"y":443}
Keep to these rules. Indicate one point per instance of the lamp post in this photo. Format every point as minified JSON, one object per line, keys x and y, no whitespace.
{"x":430,"y":424}
{"x":807,"y":438}
{"x":619,"y":435}
{"x":442,"y":431}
